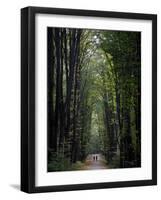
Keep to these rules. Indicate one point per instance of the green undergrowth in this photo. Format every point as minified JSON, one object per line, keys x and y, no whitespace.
{"x":58,"y":162}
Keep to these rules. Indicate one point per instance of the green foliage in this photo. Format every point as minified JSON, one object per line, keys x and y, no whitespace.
{"x":99,"y":90}
{"x":77,"y":166}
{"x":58,"y":162}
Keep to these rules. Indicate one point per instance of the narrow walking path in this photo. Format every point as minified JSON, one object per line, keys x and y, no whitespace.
{"x":95,"y":161}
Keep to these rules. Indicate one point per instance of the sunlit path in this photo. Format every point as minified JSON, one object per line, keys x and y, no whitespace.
{"x":95,"y":161}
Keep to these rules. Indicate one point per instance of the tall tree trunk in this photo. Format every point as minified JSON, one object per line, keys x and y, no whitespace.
{"x":50,"y":87}
{"x":58,"y":88}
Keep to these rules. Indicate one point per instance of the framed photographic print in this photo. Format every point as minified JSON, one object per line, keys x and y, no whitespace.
{"x":88,"y":99}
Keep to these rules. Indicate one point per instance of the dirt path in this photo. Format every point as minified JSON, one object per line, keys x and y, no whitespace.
{"x":92,"y":163}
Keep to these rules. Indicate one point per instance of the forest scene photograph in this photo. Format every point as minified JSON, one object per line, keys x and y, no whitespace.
{"x":93,"y":99}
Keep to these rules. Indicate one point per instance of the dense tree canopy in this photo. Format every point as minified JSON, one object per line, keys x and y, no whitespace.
{"x":94,"y":97}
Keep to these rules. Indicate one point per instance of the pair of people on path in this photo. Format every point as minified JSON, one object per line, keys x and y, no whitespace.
{"x":95,"y":158}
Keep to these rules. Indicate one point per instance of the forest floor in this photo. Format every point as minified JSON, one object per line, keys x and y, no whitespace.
{"x":91,"y":163}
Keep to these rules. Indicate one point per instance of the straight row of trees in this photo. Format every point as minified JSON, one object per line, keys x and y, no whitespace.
{"x":121,"y":94}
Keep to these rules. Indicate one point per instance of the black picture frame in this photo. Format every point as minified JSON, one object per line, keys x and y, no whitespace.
{"x":28,"y":98}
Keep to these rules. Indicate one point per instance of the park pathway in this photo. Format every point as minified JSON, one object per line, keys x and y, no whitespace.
{"x":92,"y":163}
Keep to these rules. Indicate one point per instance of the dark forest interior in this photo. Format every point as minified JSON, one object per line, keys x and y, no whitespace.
{"x":94,"y":99}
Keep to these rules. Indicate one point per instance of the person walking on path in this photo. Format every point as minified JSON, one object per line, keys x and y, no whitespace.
{"x":94,"y":158}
